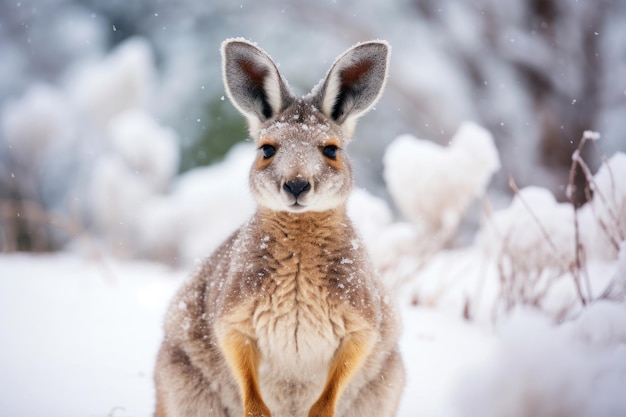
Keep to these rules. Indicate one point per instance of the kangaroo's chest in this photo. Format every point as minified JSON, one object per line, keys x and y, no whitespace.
{"x":298,"y":331}
{"x":296,"y":325}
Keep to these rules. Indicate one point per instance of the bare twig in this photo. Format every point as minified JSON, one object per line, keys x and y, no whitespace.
{"x":575,"y":270}
{"x":597,"y":195}
{"x":578,"y":247}
{"x":614,"y":241}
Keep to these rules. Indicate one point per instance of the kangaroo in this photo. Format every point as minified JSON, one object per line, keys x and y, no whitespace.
{"x":287,"y":317}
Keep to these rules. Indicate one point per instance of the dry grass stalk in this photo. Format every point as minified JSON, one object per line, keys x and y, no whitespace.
{"x":520,"y":284}
{"x":576,"y":268}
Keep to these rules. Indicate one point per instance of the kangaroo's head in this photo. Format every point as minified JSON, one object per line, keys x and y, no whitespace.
{"x":300,"y":164}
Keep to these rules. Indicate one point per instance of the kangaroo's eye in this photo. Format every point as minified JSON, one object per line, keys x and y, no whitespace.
{"x":330,"y":151}
{"x":268,"y":151}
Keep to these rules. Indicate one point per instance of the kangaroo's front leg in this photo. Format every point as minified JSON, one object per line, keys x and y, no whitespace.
{"x":242,"y":356}
{"x":350,"y":355}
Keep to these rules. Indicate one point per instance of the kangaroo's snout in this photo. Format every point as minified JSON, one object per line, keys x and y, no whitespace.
{"x":297,"y":187}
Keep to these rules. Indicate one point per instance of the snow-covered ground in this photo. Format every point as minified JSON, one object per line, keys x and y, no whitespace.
{"x":78,"y":337}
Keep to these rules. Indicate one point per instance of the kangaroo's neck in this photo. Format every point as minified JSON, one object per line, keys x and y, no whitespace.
{"x":306,"y":225}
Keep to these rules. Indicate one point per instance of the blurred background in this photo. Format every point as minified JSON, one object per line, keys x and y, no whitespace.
{"x":110,"y":108}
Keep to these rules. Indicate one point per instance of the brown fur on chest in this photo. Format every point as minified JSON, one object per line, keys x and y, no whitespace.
{"x":314,"y":255}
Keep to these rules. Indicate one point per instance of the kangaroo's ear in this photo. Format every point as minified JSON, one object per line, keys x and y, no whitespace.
{"x":253,"y":83}
{"x":354,"y":83}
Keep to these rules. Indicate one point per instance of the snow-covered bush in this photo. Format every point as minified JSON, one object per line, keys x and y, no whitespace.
{"x":147,"y":148}
{"x":533,"y":243}
{"x":533,"y":73}
{"x":124,"y":79}
{"x":139,"y":162}
{"x":536,"y":252}
{"x":535,"y":232}
{"x":432,"y":185}
{"x":37,"y":124}
{"x":552,"y":255}
{"x":91,"y":151}
{"x":204,"y":207}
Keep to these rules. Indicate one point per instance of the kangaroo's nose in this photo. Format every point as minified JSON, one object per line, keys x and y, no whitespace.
{"x":297,"y":187}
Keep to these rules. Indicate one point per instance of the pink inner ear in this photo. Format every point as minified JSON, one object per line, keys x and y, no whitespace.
{"x":354,"y":73}
{"x":255,"y":73}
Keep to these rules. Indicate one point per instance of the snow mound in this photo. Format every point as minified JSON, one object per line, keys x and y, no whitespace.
{"x":371,"y":217}
{"x":432,"y":185}
{"x":541,"y":370}
{"x":619,"y":277}
{"x":101,"y":320}
{"x":604,"y":217}
{"x":205,"y":206}
{"x":535,"y":232}
{"x":394,"y":247}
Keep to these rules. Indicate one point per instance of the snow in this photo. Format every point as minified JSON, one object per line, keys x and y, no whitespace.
{"x":146,"y":147}
{"x":373,"y":218}
{"x":535,"y":230}
{"x":84,"y":333}
{"x":204,"y":207}
{"x":605,"y":215}
{"x":123,"y":80}
{"x":433,"y":186}
{"x":30,"y":141}
{"x":620,"y":273}
{"x":434,"y":362}
{"x":536,"y":363}
{"x":451,"y":62}
{"x":494,"y":328}
{"x":93,"y":349}
{"x":480,"y":337}
{"x":591,"y":135}
{"x":479,"y":321}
